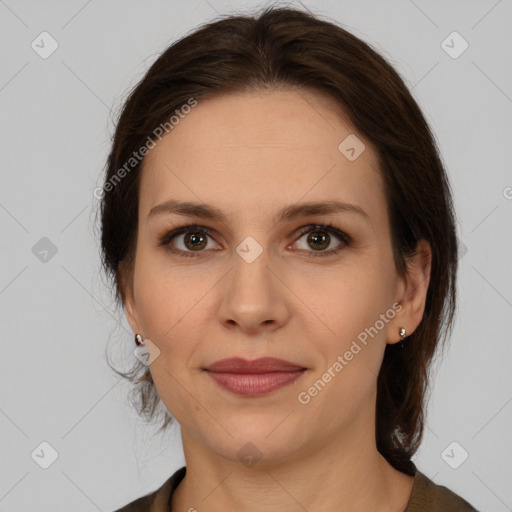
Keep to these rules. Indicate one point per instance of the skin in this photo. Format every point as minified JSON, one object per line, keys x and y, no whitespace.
{"x":250,"y":155}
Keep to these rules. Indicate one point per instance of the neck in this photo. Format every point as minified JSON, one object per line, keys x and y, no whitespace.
{"x":345,"y":473}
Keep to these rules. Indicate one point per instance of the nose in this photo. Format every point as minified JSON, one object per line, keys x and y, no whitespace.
{"x":254,"y":297}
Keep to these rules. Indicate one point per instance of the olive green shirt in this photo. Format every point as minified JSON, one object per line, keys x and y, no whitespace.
{"x":426,"y":496}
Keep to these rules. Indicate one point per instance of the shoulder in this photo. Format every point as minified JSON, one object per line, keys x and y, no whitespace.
{"x":157,"y":500}
{"x":427,"y":495}
{"x":140,"y":504}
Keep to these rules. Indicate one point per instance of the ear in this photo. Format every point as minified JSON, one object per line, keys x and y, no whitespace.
{"x":131,"y":312}
{"x":126,"y":283}
{"x":414,"y":292}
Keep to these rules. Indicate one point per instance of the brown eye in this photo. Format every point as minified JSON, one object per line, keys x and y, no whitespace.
{"x":320,"y":237}
{"x":197,"y":241}
{"x":318,"y":240}
{"x":187,"y":240}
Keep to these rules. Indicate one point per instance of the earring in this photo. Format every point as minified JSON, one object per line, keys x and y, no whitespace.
{"x":402,"y":332}
{"x":138,"y":340}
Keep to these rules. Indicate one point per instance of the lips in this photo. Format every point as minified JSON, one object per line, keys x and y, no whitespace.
{"x":243,"y":366}
{"x":254,"y":378}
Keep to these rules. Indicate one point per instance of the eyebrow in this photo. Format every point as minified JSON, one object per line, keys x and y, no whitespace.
{"x":288,"y":213}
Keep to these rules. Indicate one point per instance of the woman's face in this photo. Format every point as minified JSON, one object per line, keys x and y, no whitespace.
{"x":261,"y":284}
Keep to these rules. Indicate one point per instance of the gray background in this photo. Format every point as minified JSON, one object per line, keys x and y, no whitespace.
{"x":57,"y":317}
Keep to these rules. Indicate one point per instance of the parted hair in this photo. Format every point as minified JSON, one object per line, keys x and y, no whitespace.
{"x":283,"y":48}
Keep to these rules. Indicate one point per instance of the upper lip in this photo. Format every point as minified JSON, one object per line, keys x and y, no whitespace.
{"x":261,"y":365}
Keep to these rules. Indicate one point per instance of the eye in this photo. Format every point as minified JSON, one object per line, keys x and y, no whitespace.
{"x":319,"y":238}
{"x":195,"y":240}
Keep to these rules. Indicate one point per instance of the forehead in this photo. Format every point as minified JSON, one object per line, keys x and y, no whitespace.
{"x":258,"y":150}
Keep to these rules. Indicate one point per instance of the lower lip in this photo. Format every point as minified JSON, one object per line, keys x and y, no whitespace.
{"x":254,"y":384}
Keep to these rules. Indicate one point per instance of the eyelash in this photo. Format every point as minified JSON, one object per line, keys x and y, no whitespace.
{"x":329,"y":228}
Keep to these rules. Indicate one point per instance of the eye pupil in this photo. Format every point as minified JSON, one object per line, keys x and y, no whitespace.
{"x":197,"y":241}
{"x":316,"y":239}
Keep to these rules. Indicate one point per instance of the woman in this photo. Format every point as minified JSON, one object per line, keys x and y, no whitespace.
{"x":279,"y":227}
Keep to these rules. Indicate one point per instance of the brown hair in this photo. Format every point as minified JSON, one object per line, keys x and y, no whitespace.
{"x":284,"y":48}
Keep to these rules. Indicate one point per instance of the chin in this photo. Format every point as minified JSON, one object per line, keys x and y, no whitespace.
{"x":260,"y":442}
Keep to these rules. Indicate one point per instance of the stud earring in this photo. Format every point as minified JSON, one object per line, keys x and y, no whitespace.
{"x":402,"y":332}
{"x":138,"y":340}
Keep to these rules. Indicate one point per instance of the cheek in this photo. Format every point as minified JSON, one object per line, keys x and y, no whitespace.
{"x":170,"y":312}
{"x":165,"y":293}
{"x":347,"y":323}
{"x":167,"y":319}
{"x":346,"y":299}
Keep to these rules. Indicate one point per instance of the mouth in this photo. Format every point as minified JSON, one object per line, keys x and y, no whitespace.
{"x":261,"y":365}
{"x":254,"y":378}
{"x":254,"y":384}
